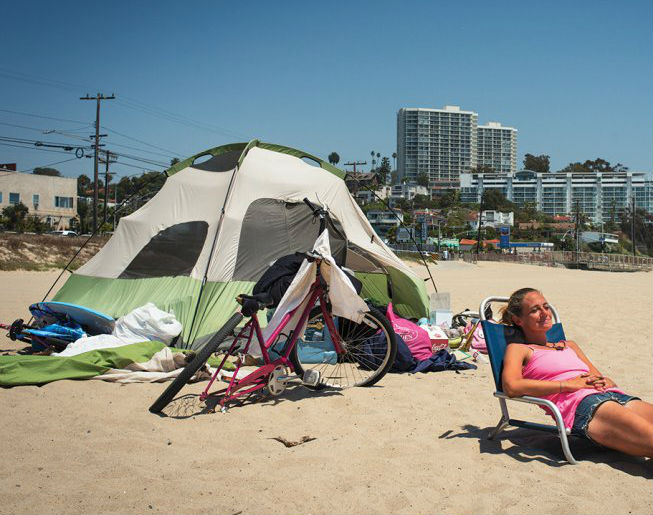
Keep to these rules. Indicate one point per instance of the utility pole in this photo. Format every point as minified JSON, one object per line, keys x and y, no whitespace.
{"x":107,"y":159}
{"x":577,"y":220}
{"x":480,"y":220}
{"x":355,"y":192}
{"x":632,"y":223}
{"x":115,"y":205}
{"x":355,"y":163}
{"x":97,"y":98}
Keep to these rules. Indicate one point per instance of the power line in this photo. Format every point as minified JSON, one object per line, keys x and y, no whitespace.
{"x":138,"y":167}
{"x":11,"y":74}
{"x":125,"y":101}
{"x":49,"y":165}
{"x":143,"y":150}
{"x":139,"y":140}
{"x":39,"y":143}
{"x":140,"y":159}
{"x":31,"y":147}
{"x":42,"y":116}
{"x":180,"y":119}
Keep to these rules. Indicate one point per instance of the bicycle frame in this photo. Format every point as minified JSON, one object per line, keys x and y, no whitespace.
{"x":258,"y":379}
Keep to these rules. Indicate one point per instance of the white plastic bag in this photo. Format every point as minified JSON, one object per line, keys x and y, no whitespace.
{"x":148,"y":323}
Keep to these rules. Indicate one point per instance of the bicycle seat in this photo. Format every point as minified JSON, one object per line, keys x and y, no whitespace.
{"x":253,"y":303}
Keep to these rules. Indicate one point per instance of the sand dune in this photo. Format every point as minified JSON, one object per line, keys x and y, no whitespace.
{"x":412,"y":444}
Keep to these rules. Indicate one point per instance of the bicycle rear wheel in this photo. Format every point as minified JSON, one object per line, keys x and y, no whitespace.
{"x":198,"y":362}
{"x":369,"y":350}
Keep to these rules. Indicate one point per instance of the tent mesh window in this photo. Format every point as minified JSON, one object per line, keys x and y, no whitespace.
{"x":273,"y":228}
{"x":173,"y":251}
{"x":220,"y":163}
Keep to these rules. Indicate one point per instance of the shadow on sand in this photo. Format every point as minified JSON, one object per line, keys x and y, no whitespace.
{"x":189,"y":405}
{"x":529,"y":446}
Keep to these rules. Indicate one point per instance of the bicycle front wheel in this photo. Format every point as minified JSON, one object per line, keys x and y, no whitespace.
{"x":369,"y":350}
{"x":198,"y":362}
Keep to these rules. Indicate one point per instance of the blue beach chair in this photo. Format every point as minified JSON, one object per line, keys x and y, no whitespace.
{"x":497,"y":337}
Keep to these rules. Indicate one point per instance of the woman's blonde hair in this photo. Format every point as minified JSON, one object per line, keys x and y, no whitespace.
{"x":514,"y":306}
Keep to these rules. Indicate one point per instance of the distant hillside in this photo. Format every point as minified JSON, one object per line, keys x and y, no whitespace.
{"x":44,"y":251}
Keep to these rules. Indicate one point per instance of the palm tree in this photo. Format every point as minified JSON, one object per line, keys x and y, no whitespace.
{"x":334,"y":158}
{"x":373,"y":162}
{"x":394,"y":156}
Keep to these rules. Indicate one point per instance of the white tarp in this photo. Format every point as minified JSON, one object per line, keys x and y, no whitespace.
{"x":145,"y":323}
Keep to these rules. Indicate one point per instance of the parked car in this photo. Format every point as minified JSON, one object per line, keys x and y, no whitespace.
{"x":63,"y":233}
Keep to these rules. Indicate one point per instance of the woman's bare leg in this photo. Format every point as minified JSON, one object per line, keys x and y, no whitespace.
{"x":623,"y":429}
{"x":643,"y":409}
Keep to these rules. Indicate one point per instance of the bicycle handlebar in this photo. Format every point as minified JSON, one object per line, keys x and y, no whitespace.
{"x":319,"y":212}
{"x":316,"y":210}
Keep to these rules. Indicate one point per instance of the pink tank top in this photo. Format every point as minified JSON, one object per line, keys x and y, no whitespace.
{"x":559,"y":365}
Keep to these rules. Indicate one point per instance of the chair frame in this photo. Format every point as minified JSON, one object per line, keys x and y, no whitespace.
{"x":505,"y":419}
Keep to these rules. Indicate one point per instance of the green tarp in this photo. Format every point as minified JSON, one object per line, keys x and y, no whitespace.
{"x":28,"y":369}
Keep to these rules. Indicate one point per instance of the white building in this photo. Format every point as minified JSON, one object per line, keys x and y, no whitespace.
{"x":407,"y":191}
{"x":367,"y":196}
{"x":440,"y":143}
{"x":383,"y":221}
{"x":493,"y":219}
{"x":600,"y":196}
{"x":52,"y":199}
{"x":496,"y":146}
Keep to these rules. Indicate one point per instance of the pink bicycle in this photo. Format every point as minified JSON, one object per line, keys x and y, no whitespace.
{"x":333,"y":352}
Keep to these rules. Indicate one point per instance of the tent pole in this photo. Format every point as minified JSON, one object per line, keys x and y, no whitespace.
{"x":386,"y":204}
{"x":116,"y":211}
{"x":251,"y":144}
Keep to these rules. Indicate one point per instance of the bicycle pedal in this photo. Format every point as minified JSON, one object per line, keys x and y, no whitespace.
{"x":311,"y":377}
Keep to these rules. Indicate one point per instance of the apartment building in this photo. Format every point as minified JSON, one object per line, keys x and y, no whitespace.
{"x":440,"y":143}
{"x":496,"y":147}
{"x":52,"y":199}
{"x":600,"y":196}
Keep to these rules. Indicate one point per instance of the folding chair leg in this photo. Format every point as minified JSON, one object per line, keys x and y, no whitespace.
{"x":503,"y":422}
{"x":564,"y":441}
{"x":500,"y":427}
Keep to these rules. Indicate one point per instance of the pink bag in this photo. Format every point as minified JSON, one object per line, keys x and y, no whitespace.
{"x":416,"y":338}
{"x":478,"y":339}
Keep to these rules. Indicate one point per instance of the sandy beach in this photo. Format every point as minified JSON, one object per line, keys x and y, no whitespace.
{"x":411,"y":444}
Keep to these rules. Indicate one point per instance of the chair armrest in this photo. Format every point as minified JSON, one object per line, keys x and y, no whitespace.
{"x":540,"y":402}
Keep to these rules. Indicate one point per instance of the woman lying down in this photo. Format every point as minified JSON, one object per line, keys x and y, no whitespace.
{"x":591,"y":404}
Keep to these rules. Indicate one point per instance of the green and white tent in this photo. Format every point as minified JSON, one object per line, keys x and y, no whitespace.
{"x":217,"y":223}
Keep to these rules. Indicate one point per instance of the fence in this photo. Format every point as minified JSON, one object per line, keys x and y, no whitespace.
{"x":587,"y":260}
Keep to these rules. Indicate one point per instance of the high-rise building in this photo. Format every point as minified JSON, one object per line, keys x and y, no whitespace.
{"x":440,"y":143}
{"x":496,"y":147}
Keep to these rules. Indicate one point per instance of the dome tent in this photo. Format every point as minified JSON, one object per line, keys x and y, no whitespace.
{"x":216,"y":225}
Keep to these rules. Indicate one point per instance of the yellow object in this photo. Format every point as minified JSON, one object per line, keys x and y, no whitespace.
{"x":468,"y":337}
{"x":454,"y":343}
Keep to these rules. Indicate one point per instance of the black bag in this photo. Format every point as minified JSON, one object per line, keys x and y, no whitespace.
{"x":276,"y":279}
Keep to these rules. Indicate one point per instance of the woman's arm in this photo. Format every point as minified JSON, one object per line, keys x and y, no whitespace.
{"x":515,"y":385}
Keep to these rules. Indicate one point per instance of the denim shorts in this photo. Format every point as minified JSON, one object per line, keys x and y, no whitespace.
{"x":588,"y":406}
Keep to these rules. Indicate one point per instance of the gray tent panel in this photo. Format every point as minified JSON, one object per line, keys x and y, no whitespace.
{"x":172,"y":252}
{"x":220,"y":163}
{"x":273,"y":228}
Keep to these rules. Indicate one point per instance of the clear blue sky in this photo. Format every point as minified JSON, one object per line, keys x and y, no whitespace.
{"x":575,"y":78}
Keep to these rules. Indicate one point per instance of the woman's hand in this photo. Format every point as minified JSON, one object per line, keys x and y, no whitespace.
{"x":600,"y":382}
{"x":578,"y":383}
